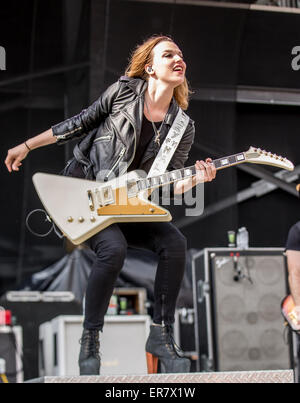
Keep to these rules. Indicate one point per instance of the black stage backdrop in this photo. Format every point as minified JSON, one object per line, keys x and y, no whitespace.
{"x":62,"y":54}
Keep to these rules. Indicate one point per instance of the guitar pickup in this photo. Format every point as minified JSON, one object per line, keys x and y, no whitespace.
{"x":91,"y":200}
{"x":132,"y":188}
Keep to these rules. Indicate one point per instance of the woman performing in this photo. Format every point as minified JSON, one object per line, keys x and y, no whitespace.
{"x":136,"y":112}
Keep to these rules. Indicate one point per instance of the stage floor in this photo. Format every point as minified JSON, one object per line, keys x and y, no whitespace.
{"x":284,"y":376}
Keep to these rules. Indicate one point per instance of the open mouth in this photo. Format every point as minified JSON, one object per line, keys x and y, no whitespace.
{"x":178,"y":68}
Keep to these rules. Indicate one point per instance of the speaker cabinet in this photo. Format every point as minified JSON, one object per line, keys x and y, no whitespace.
{"x":122,"y":345}
{"x":11,"y":350}
{"x":237,"y":299}
{"x":30,"y":315}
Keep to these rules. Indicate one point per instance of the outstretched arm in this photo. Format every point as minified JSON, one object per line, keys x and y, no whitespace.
{"x":19,"y":153}
{"x":73,"y":127}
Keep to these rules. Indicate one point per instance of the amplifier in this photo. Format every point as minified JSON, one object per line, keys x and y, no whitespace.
{"x":122,"y":345}
{"x":237,"y":300}
{"x":30,"y":310}
{"x":11,"y":351}
{"x":184,"y":330}
{"x":184,"y":334}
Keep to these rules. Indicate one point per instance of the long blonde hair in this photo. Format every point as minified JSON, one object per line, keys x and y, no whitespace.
{"x":142,"y":56}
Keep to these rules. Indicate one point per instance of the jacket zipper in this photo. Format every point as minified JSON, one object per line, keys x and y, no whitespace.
{"x":163,"y":309}
{"x":129,"y":118}
{"x":103,"y":138}
{"x":122,"y":152}
{"x":65,"y":135}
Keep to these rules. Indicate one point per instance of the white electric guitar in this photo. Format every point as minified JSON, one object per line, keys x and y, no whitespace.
{"x":81,"y":208}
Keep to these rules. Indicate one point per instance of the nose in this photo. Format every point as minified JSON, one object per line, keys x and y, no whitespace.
{"x":178,"y":58}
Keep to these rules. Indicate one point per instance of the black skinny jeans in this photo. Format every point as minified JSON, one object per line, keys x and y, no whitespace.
{"x":110,"y":246}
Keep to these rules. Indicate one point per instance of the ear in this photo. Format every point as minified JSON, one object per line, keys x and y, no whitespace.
{"x":149,"y":69}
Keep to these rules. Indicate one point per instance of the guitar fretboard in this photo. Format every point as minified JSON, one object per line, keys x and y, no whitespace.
{"x":180,"y":174}
{"x":229,"y":161}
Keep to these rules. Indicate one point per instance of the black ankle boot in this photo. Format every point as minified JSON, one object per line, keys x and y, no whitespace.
{"x":161,"y":347}
{"x":89,"y":357}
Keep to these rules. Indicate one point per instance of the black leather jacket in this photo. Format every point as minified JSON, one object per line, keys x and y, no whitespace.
{"x":111,"y":127}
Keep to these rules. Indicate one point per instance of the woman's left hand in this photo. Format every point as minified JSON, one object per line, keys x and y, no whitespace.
{"x":206,"y":171}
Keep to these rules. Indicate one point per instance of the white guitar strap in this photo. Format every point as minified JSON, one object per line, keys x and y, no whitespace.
{"x":169,"y":145}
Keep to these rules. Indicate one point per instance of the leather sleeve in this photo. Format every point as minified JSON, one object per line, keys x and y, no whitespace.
{"x":87,"y":119}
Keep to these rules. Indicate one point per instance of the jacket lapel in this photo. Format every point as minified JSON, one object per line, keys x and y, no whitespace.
{"x":136,"y":107}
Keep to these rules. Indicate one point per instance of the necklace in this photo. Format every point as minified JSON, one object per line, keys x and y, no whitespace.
{"x":156,"y":131}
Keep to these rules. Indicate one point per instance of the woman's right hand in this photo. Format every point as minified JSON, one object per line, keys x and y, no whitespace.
{"x":15,"y":156}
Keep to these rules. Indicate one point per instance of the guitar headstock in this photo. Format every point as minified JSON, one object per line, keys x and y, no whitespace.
{"x":258,"y":156}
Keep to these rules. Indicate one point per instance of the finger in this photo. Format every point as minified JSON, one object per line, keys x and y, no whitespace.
{"x":209,"y":173}
{"x":212,"y":168}
{"x":8,"y":163}
{"x":208,"y":170}
{"x":16,"y":164}
{"x":200,"y":172}
{"x":200,"y":165}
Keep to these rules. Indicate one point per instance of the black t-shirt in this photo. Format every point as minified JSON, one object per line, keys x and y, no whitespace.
{"x":147,"y":134}
{"x":293,"y":241}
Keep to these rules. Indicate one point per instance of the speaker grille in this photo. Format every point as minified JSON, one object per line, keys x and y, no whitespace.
{"x":249,"y":327}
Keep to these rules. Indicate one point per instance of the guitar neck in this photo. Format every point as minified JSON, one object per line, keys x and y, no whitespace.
{"x":185,"y":173}
{"x":225,"y":162}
